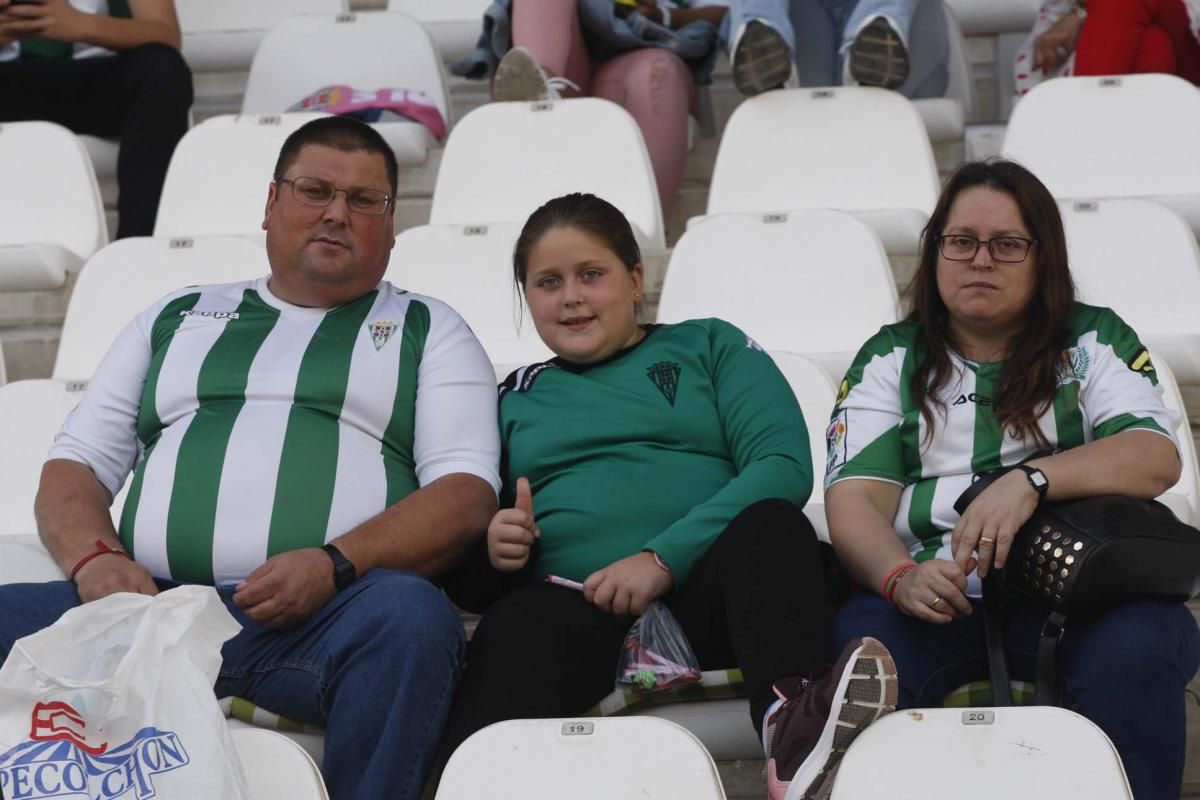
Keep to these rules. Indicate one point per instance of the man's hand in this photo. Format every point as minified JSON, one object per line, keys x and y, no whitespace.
{"x":628,"y":586}
{"x":921,"y":587}
{"x":512,"y":532}
{"x":1053,"y":47}
{"x":288,"y":589}
{"x":112,"y":573}
{"x":57,"y":20}
{"x":992,"y":520}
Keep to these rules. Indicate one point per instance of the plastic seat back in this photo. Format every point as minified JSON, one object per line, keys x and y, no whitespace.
{"x":131,"y":274}
{"x":589,"y":759}
{"x":470,"y":268}
{"x":454,"y":24}
{"x":1141,"y":259}
{"x":275,"y":766}
{"x":1184,"y":497}
{"x":366,"y":51}
{"x":815,"y":282}
{"x":855,"y":149}
{"x":503,"y":160}
{"x":815,"y":392}
{"x":223,"y":34}
{"x":1122,"y":136}
{"x":51,"y":215}
{"x":220,"y":174}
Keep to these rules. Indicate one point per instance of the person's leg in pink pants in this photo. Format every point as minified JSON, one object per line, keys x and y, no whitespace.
{"x":1125,"y":36}
{"x":656,"y":88}
{"x":549,"y":29}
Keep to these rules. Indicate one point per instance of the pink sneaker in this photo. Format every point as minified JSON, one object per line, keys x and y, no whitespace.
{"x":806,"y":736}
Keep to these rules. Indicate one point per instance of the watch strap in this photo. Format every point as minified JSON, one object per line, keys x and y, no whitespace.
{"x":344,"y":572}
{"x":1030,"y":475}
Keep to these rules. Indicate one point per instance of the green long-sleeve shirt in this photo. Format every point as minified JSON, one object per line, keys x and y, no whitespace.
{"x":657,"y":448}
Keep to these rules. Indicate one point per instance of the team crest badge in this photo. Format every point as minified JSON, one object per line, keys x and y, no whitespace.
{"x":665,"y":376}
{"x":1074,"y":366}
{"x":381,"y":330}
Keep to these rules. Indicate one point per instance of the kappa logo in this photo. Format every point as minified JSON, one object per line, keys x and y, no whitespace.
{"x":381,"y":330}
{"x":753,"y":345}
{"x":210,"y":314}
{"x":665,"y":377}
{"x":59,"y":762}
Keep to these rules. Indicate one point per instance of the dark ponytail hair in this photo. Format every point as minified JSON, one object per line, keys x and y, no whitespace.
{"x":585,"y":212}
{"x":1028,"y":379}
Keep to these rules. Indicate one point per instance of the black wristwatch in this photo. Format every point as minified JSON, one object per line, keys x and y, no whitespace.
{"x":1037,"y":479}
{"x":344,"y":572}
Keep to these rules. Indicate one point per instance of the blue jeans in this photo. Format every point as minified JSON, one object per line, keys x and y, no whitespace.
{"x":825,"y":29}
{"x":1126,"y":671}
{"x":376,"y":667}
{"x":772,"y":12}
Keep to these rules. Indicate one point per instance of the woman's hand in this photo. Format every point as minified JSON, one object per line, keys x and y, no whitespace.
{"x":628,"y":586}
{"x":991,"y":521}
{"x":1053,"y":47}
{"x":512,"y":532}
{"x":934,"y":592}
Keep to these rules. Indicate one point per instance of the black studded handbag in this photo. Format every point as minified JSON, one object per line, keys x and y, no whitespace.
{"x":1075,"y":558}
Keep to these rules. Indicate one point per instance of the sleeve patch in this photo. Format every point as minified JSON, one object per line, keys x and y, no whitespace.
{"x":1141,"y":363}
{"x":835,"y":442}
{"x":843,"y":391}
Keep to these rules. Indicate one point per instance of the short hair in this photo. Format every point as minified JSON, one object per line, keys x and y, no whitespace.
{"x":585,"y":212}
{"x":341,"y":133}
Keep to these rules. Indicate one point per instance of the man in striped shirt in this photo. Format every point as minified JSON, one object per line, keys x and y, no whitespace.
{"x":316,"y":444}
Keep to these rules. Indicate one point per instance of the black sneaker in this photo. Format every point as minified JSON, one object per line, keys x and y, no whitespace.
{"x":878,"y":56}
{"x":807,"y":736}
{"x":761,"y":59}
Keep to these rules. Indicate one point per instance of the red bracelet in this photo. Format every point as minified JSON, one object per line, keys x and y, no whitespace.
{"x":893,"y":578}
{"x":101,"y":550}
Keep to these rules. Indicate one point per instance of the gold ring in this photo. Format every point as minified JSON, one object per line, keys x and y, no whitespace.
{"x":987,"y":539}
{"x":936,"y":600}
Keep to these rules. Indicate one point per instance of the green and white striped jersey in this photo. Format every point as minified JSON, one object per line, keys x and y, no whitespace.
{"x":877,"y":431}
{"x":255,"y":427}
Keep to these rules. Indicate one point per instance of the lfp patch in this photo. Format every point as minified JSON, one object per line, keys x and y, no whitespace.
{"x":60,"y":762}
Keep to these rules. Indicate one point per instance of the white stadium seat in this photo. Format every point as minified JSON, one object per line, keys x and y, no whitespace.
{"x":1001,"y":753}
{"x":104,"y":153}
{"x":470,"y":268}
{"x":23,"y":559}
{"x":982,"y":17}
{"x":276,"y":767}
{"x":1127,"y":136}
{"x":454,"y":24}
{"x":51,"y":216}
{"x":588,"y":759}
{"x":503,"y":160}
{"x":131,"y":274}
{"x":815,"y":392}
{"x":31,"y":412}
{"x":814,"y":282}
{"x":1141,"y":259}
{"x":365,"y":51}
{"x":223,"y":34}
{"x":220,"y":173}
{"x":857,"y":149}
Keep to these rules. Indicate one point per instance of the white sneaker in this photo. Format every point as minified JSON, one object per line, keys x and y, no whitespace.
{"x":761,"y":59}
{"x":520,"y":78}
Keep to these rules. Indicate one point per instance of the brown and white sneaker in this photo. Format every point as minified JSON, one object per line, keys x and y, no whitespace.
{"x":520,"y":78}
{"x":878,"y":56}
{"x":761,"y":59}
{"x":806,"y":736}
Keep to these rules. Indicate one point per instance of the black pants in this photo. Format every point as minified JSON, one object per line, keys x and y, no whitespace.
{"x":756,"y":601}
{"x":141,"y":95}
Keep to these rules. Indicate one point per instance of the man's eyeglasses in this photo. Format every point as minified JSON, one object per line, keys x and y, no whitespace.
{"x":1006,"y":249}
{"x":318,"y":192}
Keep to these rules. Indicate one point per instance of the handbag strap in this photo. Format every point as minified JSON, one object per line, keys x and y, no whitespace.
{"x":1049,"y":692}
{"x":993,"y":611}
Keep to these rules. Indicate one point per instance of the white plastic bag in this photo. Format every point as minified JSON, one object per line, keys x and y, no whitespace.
{"x":115,"y":702}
